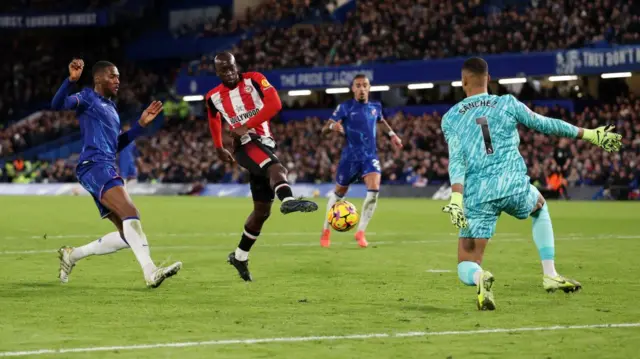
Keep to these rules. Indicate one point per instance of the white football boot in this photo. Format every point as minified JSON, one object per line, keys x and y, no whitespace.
{"x":66,"y":264}
{"x":162,"y":273}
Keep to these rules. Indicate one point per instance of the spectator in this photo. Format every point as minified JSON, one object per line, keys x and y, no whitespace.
{"x":388,"y":31}
{"x":181,"y":152}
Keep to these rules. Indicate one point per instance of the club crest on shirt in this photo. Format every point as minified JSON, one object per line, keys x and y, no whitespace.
{"x":374,"y":112}
{"x":248,"y":89}
{"x":265,"y":84}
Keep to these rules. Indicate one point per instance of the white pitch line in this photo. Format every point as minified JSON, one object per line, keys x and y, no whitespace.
{"x":439,"y":271}
{"x":295,"y":234}
{"x":315,"y":244}
{"x":29,"y":252}
{"x":294,"y":244}
{"x":316,"y":338}
{"x":233,"y":234}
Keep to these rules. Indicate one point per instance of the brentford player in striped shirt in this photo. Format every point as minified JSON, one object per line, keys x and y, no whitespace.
{"x":247,"y":102}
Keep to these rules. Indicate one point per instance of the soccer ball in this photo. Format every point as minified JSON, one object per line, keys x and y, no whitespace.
{"x":343,"y":216}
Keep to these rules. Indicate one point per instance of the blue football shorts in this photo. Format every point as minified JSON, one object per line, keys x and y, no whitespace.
{"x":97,"y":178}
{"x":349,"y":171}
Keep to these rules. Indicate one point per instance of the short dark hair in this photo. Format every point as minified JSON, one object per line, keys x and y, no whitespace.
{"x":100,"y":66}
{"x":358,"y":76}
{"x":476,"y":66}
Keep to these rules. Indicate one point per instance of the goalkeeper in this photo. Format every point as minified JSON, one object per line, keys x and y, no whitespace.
{"x":489,"y":176}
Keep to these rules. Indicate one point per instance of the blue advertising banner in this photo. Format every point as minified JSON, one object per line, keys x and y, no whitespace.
{"x":583,"y":61}
{"x":379,"y":74}
{"x":213,"y":190}
{"x":324,"y":114}
{"x":81,"y":19}
{"x":305,"y":190}
{"x":596,"y":61}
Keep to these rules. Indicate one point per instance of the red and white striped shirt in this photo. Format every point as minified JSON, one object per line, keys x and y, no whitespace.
{"x":253,"y":102}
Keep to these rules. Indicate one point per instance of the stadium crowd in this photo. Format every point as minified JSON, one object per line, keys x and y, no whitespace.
{"x":376,"y":31}
{"x":423,"y":29}
{"x":182,"y":152}
{"x":38,"y":129}
{"x":139,"y":87}
{"x":255,"y":17}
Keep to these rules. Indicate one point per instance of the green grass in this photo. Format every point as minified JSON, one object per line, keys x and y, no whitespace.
{"x":301,"y":289}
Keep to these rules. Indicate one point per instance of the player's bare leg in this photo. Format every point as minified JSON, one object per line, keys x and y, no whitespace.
{"x":252,"y":227}
{"x":545,"y":242}
{"x":338,"y":195}
{"x":372,"y":181}
{"x":118,"y":201}
{"x":278,"y":179}
{"x":109,"y":243}
{"x":470,"y":253}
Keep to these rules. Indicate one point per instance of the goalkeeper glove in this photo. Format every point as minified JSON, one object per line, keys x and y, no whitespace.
{"x":604,"y":138}
{"x":455,"y":210}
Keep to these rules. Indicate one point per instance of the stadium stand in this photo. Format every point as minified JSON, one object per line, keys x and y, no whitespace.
{"x":140,"y":88}
{"x":411,"y":30}
{"x":266,"y":13}
{"x":181,"y":152}
{"x":38,"y":129}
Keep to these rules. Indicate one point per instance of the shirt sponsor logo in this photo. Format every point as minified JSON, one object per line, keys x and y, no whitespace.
{"x":243,"y":117}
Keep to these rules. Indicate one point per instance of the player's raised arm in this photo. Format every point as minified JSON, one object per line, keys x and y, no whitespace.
{"x":602,"y":137}
{"x":457,"y":169}
{"x":61,"y":101}
{"x":546,"y":125}
{"x":137,"y":129}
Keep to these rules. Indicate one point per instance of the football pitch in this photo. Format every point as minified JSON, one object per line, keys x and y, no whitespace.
{"x":399,"y":298}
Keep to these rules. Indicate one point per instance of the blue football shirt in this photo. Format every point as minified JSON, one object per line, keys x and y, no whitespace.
{"x":99,"y":122}
{"x":359,"y":121}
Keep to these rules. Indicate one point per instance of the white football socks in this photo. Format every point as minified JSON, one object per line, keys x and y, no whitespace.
{"x":549,"y":267}
{"x":476,"y":277}
{"x":333,"y":198}
{"x":109,"y":243}
{"x":241,"y":255}
{"x":138,"y":243}
{"x":368,"y":207}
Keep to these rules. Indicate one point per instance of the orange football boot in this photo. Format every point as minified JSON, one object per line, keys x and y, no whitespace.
{"x":325,"y":239}
{"x":361,"y":239}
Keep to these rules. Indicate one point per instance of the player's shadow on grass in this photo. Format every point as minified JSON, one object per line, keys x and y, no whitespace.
{"x":35,"y":285}
{"x":423,"y":308}
{"x":53,"y":286}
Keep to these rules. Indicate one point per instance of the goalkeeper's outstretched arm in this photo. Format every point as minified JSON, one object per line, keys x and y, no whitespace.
{"x":602,"y":136}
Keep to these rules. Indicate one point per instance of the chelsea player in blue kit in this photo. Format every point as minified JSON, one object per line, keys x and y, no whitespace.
{"x":357,"y":120}
{"x":127,"y":161}
{"x":489,"y":176}
{"x":100,"y":128}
